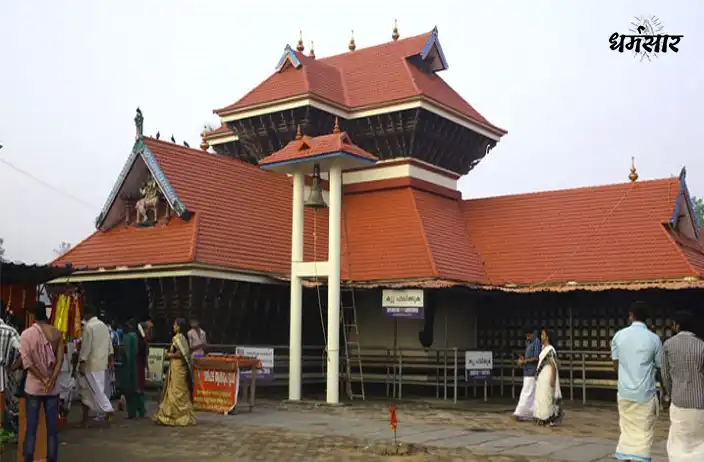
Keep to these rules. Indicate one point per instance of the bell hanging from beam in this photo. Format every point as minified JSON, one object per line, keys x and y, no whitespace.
{"x":315,"y":198}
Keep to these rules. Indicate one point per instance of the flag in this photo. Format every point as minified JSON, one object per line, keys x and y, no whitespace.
{"x":392,"y":418}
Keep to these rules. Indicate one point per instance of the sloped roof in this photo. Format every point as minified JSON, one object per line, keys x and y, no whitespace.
{"x":306,"y":147}
{"x":242,"y":219}
{"x":594,"y":234}
{"x":372,"y":76}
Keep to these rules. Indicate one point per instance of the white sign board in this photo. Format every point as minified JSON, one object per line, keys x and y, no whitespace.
{"x":155,"y":365}
{"x":412,"y":298}
{"x":265,"y":355}
{"x":478,"y":364}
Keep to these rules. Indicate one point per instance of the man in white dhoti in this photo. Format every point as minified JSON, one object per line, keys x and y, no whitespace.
{"x":95,"y":356}
{"x":683,"y":379}
{"x":636,"y":353}
{"x":529,"y":362}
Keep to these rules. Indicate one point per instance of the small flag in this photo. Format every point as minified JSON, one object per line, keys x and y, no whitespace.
{"x":392,"y":419}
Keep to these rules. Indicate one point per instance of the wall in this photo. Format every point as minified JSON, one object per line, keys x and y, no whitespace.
{"x":377,"y":329}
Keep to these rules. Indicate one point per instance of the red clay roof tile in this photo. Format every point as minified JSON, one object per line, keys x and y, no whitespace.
{"x":371,"y":76}
{"x":242,"y":221}
{"x":309,"y":147}
{"x":594,"y":234}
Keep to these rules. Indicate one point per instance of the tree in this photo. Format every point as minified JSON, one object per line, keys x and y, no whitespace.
{"x":2,"y":250}
{"x":698,"y":210}
{"x":62,"y":248}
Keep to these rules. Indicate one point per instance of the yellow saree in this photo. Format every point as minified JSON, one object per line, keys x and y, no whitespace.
{"x":176,"y":407}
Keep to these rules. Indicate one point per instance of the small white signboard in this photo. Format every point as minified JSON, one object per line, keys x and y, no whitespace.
{"x":155,"y":365}
{"x":265,"y":355}
{"x":478,"y":364}
{"x":403,"y":303}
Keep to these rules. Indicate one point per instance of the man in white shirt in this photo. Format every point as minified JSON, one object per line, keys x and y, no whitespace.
{"x":94,"y":358}
{"x":197,"y":340}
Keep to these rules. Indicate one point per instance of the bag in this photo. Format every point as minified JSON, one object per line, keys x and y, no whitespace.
{"x":20,"y":386}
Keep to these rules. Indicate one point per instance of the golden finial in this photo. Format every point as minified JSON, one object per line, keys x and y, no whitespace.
{"x":300,"y":46}
{"x":336,"y":128}
{"x":395,"y":35}
{"x":312,"y":50}
{"x":298,"y":133}
{"x":204,"y":144}
{"x":633,"y":176}
{"x":352,"y":46}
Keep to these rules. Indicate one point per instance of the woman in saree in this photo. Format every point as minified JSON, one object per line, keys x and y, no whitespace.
{"x":547,"y":408}
{"x":130,"y":376}
{"x":176,"y":408}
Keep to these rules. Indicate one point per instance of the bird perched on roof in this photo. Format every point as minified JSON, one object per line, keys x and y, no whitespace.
{"x":186,"y":144}
{"x":158,"y":135}
{"x":173,"y":140}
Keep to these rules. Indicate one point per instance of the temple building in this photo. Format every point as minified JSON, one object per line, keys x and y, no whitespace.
{"x":208,"y":232}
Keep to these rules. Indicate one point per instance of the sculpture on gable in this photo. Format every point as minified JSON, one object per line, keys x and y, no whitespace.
{"x":147,"y":206}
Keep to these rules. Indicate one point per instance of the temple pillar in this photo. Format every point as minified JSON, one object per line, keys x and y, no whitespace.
{"x":296,"y":322}
{"x":333,"y":347}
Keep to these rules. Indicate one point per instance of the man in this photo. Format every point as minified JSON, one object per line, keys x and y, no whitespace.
{"x":683,"y":378}
{"x":197,"y":339}
{"x":529,"y":363}
{"x":41,"y":348}
{"x":9,"y":362}
{"x":94,"y":359}
{"x":636,"y":353}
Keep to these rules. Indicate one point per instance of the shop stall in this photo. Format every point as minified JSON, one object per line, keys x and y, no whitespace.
{"x":20,"y":287}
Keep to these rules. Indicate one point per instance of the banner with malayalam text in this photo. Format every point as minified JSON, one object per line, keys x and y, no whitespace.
{"x":215,"y":391}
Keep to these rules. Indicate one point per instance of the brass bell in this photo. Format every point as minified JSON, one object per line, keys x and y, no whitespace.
{"x":315,"y":198}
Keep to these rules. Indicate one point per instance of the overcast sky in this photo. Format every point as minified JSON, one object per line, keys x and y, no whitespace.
{"x":73,"y":72}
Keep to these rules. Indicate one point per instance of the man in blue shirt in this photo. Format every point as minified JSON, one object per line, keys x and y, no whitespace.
{"x":529,"y":363}
{"x":637,"y":354}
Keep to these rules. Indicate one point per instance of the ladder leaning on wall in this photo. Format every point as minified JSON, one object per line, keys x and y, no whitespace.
{"x":354,"y":382}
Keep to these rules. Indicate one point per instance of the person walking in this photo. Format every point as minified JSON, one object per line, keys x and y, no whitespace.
{"x":683,"y":379}
{"x":131,"y":373}
{"x":637,"y":354}
{"x":41,"y":349}
{"x":529,"y":363}
{"x":95,"y":358}
{"x":197,"y":340}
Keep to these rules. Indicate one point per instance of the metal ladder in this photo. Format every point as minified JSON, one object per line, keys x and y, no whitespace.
{"x":348,"y":319}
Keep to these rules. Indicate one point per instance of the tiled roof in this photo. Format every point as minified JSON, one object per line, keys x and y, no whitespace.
{"x":222,"y":130}
{"x":306,"y":147}
{"x":594,"y":234}
{"x":131,"y":246}
{"x":242,"y":219}
{"x":371,"y":76}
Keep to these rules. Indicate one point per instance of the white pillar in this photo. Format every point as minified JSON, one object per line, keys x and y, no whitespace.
{"x":335,"y":208}
{"x":296,"y":324}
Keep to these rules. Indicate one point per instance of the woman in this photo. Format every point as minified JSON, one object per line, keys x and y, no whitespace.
{"x":176,"y":408}
{"x":131,"y":372}
{"x":548,"y":396}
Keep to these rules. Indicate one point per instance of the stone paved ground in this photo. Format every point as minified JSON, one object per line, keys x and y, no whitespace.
{"x":281,"y":432}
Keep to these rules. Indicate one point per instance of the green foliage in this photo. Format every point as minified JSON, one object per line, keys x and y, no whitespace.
{"x":698,"y":210}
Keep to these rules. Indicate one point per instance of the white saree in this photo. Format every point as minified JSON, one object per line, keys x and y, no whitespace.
{"x":546,"y":407}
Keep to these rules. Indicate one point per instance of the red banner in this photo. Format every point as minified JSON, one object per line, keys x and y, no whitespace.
{"x":215,"y":390}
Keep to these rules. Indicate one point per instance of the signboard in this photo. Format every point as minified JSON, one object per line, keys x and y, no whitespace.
{"x":155,"y":365}
{"x":403,"y":303}
{"x":215,"y":391}
{"x":264,"y":355}
{"x":478,"y":364}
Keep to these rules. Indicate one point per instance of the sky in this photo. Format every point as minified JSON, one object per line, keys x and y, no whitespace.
{"x":72,"y":74}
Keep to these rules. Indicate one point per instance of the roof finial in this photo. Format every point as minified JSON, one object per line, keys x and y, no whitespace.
{"x":298,"y":133}
{"x":300,"y":46}
{"x":312,"y":50}
{"x":395,"y":35}
{"x":139,"y":123}
{"x":336,"y":128}
{"x":352,"y":46}
{"x":633,"y":176}
{"x":204,"y":144}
